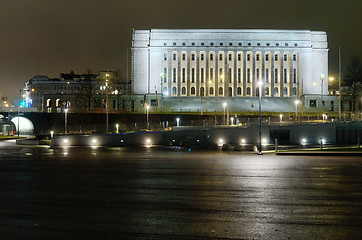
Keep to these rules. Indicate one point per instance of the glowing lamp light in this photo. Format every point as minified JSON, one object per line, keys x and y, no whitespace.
{"x":221,"y":140}
{"x":94,"y":140}
{"x":148,"y":141}
{"x":264,"y":141}
{"x":304,"y":141}
{"x":243,"y":141}
{"x":65,"y":141}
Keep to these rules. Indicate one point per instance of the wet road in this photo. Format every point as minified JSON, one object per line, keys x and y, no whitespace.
{"x":149,"y":193}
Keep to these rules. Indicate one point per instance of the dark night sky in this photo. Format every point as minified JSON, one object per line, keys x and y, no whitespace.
{"x":48,"y":37}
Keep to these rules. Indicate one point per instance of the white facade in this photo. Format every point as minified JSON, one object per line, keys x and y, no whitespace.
{"x":209,"y":62}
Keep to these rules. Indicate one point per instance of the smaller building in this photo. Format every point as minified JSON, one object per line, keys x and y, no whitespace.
{"x":77,"y":93}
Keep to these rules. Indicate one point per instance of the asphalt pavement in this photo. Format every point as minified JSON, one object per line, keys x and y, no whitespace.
{"x":176,"y":193}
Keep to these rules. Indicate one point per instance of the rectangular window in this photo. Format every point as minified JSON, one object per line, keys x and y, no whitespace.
{"x":276,"y":57}
{"x":193,"y":75}
{"x":174,"y":57}
{"x":220,"y":57}
{"x":193,"y":57}
{"x":294,"y":75}
{"x":183,"y":75}
{"x":183,"y":57}
{"x":212,"y":74}
{"x":257,"y":57}
{"x":202,"y":75}
{"x":248,"y":57}
{"x":267,"y":57}
{"x":165,"y":75}
{"x":220,"y":75}
{"x":276,"y":76}
{"x":202,"y":57}
{"x":285,"y":57}
{"x":257,"y":74}
{"x":294,"y":57}
{"x":239,"y":57}
{"x":211,"y":57}
{"x":229,"y":75}
{"x":165,"y":56}
{"x":285,"y":75}
{"x":248,"y":75}
{"x":230,"y":57}
{"x":174,"y":75}
{"x":267,"y":75}
{"x":239,"y":75}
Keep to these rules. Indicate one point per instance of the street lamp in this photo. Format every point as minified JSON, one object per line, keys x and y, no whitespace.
{"x":117,"y":127}
{"x":177,"y":122}
{"x":147,"y":108}
{"x":322,"y":79}
{"x":260,"y":85}
{"x":65,"y":120}
{"x":281,"y":117}
{"x":339,"y":96}
{"x":107,"y":75}
{"x":18,"y":130}
{"x":224,"y":104}
{"x":296,"y":102}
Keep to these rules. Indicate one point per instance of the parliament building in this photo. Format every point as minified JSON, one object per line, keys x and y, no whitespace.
{"x":182,"y":66}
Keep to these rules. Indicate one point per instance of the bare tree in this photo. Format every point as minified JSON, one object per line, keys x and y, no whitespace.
{"x":87,"y":89}
{"x":353,"y":80}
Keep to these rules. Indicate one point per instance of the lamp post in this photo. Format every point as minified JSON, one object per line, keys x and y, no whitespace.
{"x":18,"y":130}
{"x":339,"y":83}
{"x":107,"y":75}
{"x":65,"y":120}
{"x":162,"y":77}
{"x":339,"y":97}
{"x":224,"y":104}
{"x":296,"y":102}
{"x":177,"y":122}
{"x":117,"y":127}
{"x":147,"y":108}
{"x":322,"y":79}
{"x":260,"y":85}
{"x":281,"y":117}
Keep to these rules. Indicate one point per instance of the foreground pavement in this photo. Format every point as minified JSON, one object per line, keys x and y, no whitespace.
{"x":174,"y":193}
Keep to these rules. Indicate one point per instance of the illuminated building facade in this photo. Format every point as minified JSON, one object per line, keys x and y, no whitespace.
{"x":214,"y":64}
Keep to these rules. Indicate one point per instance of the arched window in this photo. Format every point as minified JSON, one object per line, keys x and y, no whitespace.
{"x":174,"y":91}
{"x":183,"y":91}
{"x":221,"y":91}
{"x":239,"y":90}
{"x":294,"y":91}
{"x":276,"y":92}
{"x":211,"y":91}
{"x":285,"y":91}
{"x":266,"y":91}
{"x":248,"y":91}
{"x":202,"y":91}
{"x":192,"y":91}
{"x":257,"y":91}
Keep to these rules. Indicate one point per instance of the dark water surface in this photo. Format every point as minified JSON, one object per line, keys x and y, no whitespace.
{"x":174,"y":193}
